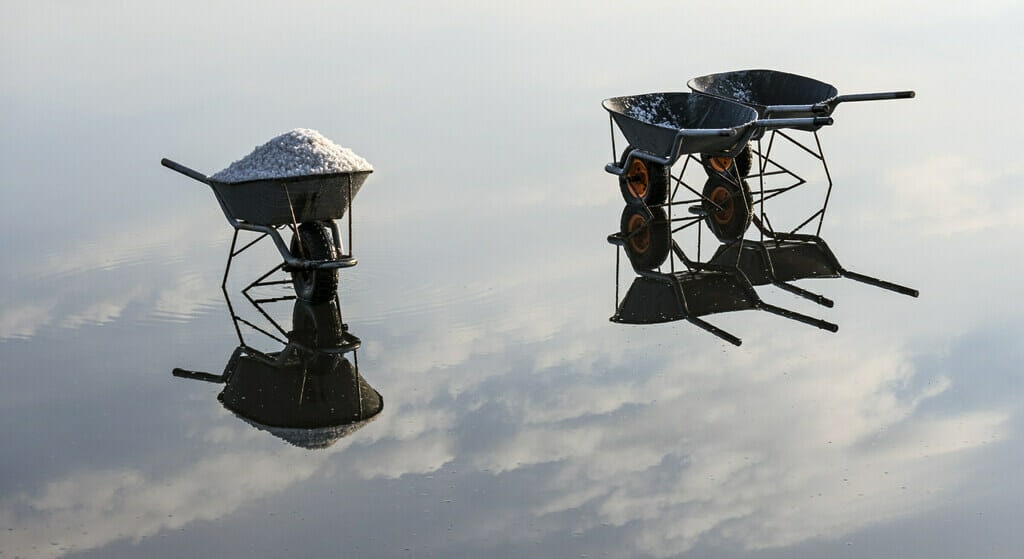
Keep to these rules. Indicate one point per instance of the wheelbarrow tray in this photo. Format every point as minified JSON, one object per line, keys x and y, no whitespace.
{"x":283,"y":393}
{"x":668,"y":125}
{"x":655,"y":297}
{"x":777,"y":94}
{"x":776,"y":261}
{"x":299,"y":199}
{"x":790,"y":257}
{"x":683,"y":295}
{"x":761,"y":89}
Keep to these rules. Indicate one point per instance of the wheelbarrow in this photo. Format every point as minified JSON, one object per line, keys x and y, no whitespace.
{"x":775,"y":94}
{"x":660,"y":128}
{"x":308,"y":205}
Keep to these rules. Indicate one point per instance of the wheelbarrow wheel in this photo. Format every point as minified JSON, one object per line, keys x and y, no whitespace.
{"x":643,"y":181}
{"x":317,"y":325}
{"x":315,"y":286}
{"x":647,"y":243}
{"x":728,"y":207}
{"x":743,"y":162}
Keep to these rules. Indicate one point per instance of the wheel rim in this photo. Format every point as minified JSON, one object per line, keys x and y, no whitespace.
{"x":639,"y":242}
{"x":722,"y":198}
{"x":721,"y":163}
{"x":638,"y":179}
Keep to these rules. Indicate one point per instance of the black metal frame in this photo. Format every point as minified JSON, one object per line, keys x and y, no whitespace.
{"x":351,"y":344}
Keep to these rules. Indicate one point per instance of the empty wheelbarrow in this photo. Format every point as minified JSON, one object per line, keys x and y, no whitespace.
{"x":308,"y":205}
{"x":779,"y":94}
{"x":662,"y":127}
{"x":775,"y":94}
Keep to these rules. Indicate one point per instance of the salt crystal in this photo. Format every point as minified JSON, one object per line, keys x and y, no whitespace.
{"x":297,"y":153}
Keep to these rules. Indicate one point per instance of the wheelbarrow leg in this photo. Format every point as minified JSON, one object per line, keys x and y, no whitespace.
{"x":231,"y":255}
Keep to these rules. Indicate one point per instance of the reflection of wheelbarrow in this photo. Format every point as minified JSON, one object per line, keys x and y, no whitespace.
{"x":662,"y":127}
{"x":788,"y":257}
{"x":702,"y":289}
{"x":777,"y":95}
{"x":309,"y":393}
{"x":308,"y":205}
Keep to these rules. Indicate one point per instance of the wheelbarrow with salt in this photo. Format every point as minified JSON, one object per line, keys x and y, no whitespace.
{"x":308,"y":206}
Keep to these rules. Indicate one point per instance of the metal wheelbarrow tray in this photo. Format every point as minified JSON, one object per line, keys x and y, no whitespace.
{"x":783,"y":258}
{"x":294,"y":199}
{"x":656,"y":297}
{"x":779,"y":94}
{"x":661,"y":127}
{"x":308,"y":205}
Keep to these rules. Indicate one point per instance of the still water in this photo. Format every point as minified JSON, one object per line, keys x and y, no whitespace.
{"x":491,"y":409}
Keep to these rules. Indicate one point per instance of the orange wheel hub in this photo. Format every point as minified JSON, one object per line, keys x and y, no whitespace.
{"x":641,"y":241}
{"x":723,"y":199}
{"x":638,"y":179}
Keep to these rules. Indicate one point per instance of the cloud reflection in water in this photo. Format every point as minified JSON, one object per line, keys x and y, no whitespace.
{"x":770,"y":449}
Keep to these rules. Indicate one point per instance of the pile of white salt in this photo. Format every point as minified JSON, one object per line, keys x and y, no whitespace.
{"x":297,"y":153}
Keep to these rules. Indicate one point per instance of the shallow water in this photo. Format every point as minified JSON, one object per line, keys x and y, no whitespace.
{"x":517,"y":420}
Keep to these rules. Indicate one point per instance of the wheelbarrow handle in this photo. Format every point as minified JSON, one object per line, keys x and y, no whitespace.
{"x":198,"y":375}
{"x":783,"y":109}
{"x":827,"y":106}
{"x":875,"y":96}
{"x":881,"y":96}
{"x":772,"y":123}
{"x":706,"y":132}
{"x":173,"y":165}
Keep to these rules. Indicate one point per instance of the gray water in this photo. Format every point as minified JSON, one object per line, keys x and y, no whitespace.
{"x":517,"y":420}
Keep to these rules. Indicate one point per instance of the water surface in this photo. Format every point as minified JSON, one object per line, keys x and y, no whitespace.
{"x":517,"y":420}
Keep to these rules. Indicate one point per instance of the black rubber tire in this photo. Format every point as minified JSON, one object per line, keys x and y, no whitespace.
{"x":649,"y":246}
{"x":743,"y":161}
{"x":643,"y":181}
{"x":317,"y":325}
{"x":729,"y":207}
{"x":315,"y":286}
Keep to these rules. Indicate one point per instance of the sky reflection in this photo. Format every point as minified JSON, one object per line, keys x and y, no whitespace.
{"x":773,"y":449}
{"x":519,"y":420}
